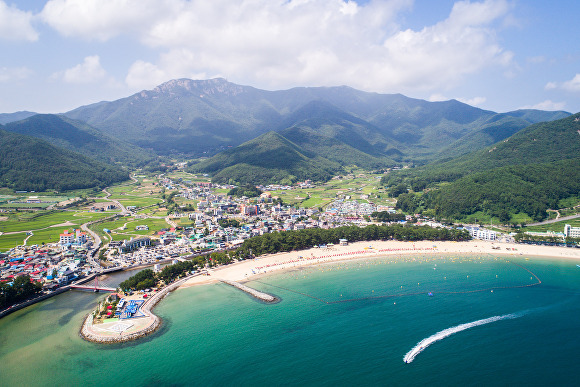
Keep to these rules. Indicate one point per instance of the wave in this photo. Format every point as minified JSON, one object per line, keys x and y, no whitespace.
{"x":423,"y":344}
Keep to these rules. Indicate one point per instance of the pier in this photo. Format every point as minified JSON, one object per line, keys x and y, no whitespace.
{"x":265,"y":297}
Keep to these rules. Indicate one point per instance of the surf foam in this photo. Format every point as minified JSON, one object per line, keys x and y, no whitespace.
{"x":423,"y":344}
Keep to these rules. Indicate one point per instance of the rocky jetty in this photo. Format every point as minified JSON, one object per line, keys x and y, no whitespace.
{"x":265,"y":297}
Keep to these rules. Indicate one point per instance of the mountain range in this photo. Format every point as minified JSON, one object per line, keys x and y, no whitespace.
{"x":253,"y":135}
{"x":200,"y":118}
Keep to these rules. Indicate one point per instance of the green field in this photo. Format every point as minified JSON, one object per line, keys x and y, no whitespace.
{"x":40,"y":224}
{"x":25,"y":205}
{"x":9,"y":241}
{"x":130,"y":223}
{"x":323,"y":194}
{"x":138,"y":201}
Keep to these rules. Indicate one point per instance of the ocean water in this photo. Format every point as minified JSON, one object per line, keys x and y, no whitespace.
{"x":347,"y":323}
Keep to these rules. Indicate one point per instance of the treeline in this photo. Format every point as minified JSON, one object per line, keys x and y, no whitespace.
{"x":143,"y":280}
{"x":247,"y":190}
{"x":385,"y":216}
{"x":549,"y":240}
{"x":289,"y":241}
{"x":301,"y":239}
{"x":147,"y":278}
{"x":19,"y":290}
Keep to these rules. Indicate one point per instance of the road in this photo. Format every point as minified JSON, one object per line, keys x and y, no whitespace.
{"x":124,"y":211}
{"x":555,"y":220}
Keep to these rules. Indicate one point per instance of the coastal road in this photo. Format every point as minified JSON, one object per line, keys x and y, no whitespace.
{"x":555,"y":220}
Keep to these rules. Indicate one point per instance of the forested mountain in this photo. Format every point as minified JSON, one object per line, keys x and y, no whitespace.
{"x":28,"y":163}
{"x":199,"y":118}
{"x":498,"y":128}
{"x":527,"y":173}
{"x":80,"y":137}
{"x":538,"y":143}
{"x":267,"y":159}
{"x":506,"y":191}
{"x":17,"y":116}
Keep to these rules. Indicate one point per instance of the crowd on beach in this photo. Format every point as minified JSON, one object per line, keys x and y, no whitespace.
{"x":348,"y":254}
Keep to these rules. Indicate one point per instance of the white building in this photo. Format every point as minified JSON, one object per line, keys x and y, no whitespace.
{"x":481,"y":233}
{"x":76,"y":237}
{"x":571,"y":232}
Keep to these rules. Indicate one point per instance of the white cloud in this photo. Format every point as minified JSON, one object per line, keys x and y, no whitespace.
{"x":144,"y":75}
{"x":103,"y":20}
{"x":571,"y":85}
{"x":8,"y":74}
{"x":16,"y":24}
{"x":438,"y":98}
{"x":283,"y":43}
{"x":89,"y":71}
{"x":547,"y":105}
{"x":475,"y":101}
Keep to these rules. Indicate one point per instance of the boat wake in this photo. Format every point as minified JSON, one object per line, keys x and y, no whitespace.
{"x":423,"y":344}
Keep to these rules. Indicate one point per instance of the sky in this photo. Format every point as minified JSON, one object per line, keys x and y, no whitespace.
{"x":500,"y":55}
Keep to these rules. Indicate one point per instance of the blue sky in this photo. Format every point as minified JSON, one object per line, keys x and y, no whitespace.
{"x":499,"y":55}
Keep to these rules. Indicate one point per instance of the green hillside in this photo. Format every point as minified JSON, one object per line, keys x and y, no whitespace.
{"x":497,"y":128}
{"x":527,"y":173}
{"x":80,"y":137}
{"x":329,"y":147}
{"x":28,"y":163}
{"x":538,"y":143}
{"x":267,"y":159}
{"x":506,"y":191}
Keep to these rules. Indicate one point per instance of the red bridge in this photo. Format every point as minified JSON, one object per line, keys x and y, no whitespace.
{"x":94,"y":288}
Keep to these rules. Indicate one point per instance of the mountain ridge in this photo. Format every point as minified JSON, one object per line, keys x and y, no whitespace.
{"x":203,"y":117}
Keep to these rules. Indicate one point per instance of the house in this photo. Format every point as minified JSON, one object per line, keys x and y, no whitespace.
{"x":135,"y":243}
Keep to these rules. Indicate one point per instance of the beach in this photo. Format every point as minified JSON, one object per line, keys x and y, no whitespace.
{"x":250,"y":269}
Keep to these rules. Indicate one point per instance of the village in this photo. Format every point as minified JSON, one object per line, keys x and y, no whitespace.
{"x":217,"y":222}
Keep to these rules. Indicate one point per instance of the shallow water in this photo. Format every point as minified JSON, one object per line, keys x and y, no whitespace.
{"x":338,"y":324}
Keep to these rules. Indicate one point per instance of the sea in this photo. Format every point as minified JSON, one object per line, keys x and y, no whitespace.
{"x":388,"y":321}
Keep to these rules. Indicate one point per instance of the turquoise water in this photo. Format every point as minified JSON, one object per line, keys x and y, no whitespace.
{"x":348,"y":323}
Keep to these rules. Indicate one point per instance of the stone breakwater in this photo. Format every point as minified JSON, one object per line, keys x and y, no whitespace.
{"x":252,"y":292}
{"x":88,"y":332}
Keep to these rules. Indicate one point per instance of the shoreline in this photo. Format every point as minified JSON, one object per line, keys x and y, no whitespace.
{"x":250,"y":269}
{"x":243,"y":271}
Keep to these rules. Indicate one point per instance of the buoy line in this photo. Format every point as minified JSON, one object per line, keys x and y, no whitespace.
{"x":492,"y":288}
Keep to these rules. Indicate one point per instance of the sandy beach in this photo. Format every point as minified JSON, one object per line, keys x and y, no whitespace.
{"x":246,"y":270}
